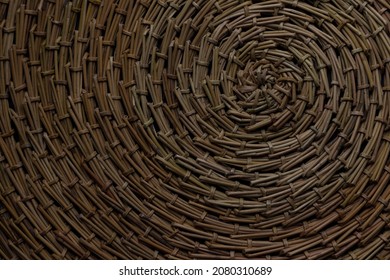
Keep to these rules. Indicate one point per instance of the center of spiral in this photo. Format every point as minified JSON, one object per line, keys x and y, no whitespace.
{"x":263,"y":92}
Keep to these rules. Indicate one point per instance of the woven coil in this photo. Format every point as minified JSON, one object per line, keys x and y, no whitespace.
{"x":204,"y":129}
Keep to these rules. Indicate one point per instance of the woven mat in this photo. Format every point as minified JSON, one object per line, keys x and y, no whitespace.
{"x":204,"y":129}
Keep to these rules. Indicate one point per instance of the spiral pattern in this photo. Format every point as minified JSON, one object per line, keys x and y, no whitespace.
{"x":179,"y":129}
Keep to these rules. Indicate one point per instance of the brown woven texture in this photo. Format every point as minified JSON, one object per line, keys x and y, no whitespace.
{"x":204,"y":129}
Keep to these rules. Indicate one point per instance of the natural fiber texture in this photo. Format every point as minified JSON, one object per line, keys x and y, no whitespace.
{"x":174,"y":129}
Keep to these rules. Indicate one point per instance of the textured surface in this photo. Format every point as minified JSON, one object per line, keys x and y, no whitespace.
{"x":194,"y":129}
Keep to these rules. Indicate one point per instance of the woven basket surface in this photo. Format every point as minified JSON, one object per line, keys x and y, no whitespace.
{"x":194,"y":129}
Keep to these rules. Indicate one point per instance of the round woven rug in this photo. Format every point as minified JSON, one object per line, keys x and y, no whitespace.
{"x":204,"y":129}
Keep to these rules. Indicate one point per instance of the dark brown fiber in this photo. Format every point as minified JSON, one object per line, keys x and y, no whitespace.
{"x":204,"y":129}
